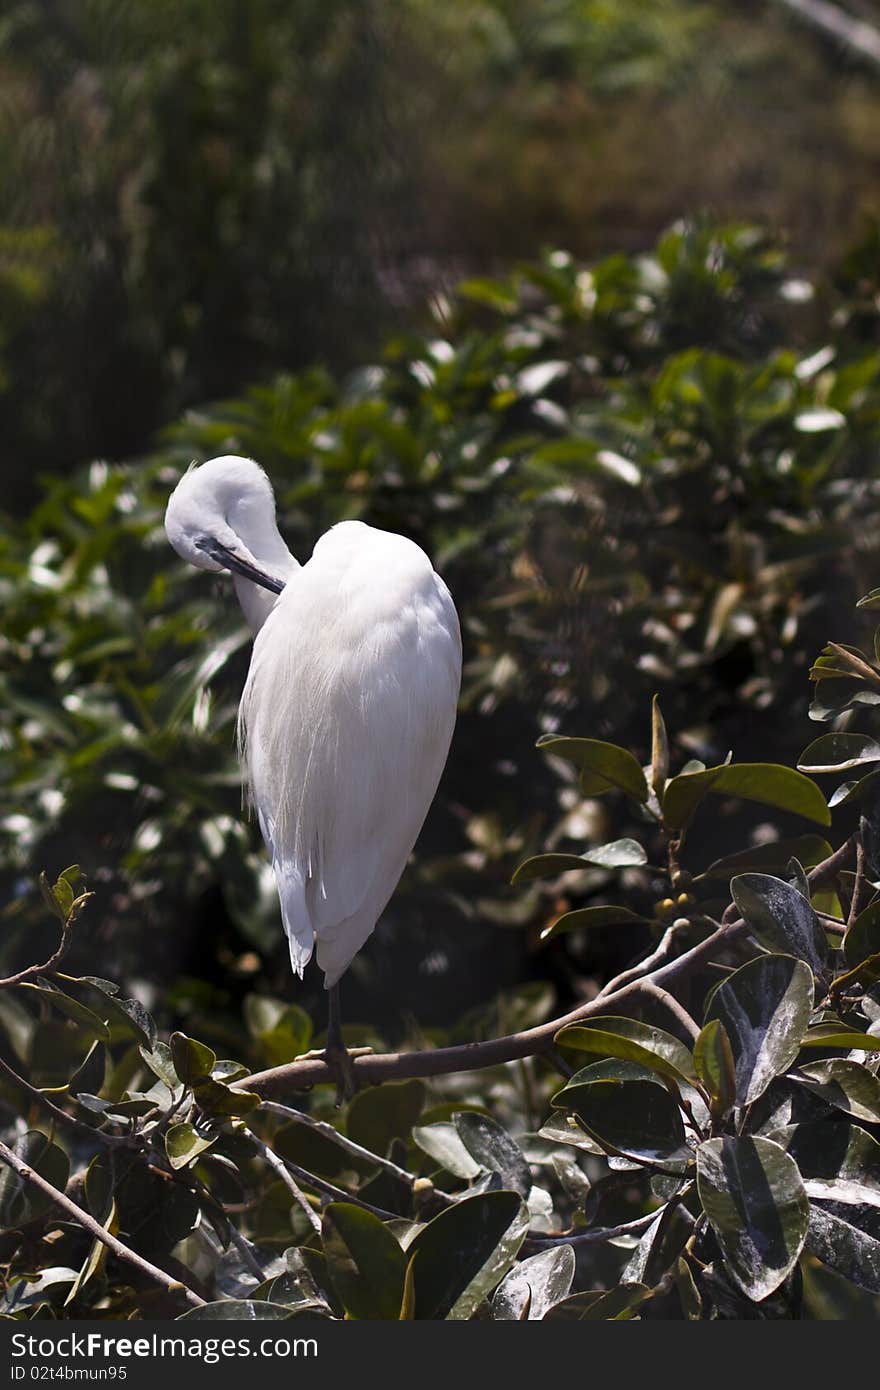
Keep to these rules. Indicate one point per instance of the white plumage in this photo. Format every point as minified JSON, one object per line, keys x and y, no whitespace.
{"x":349,"y":706}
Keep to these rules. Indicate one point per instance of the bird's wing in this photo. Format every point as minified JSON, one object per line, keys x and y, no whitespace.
{"x":347,"y":717}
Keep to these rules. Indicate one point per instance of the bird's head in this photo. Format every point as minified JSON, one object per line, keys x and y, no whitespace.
{"x":221,"y":516}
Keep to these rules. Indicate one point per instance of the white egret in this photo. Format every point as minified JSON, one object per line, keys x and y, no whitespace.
{"x":347,"y":712}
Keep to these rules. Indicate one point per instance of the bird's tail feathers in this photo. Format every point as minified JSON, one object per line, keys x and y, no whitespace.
{"x":295,"y":916}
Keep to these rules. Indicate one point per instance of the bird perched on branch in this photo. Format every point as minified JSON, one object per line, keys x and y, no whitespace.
{"x":348,"y":710}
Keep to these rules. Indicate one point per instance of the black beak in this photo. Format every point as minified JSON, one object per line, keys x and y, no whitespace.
{"x":215,"y":551}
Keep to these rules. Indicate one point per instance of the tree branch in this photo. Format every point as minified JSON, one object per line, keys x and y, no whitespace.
{"x":88,"y":1223}
{"x":303,"y":1073}
{"x":373,"y":1070}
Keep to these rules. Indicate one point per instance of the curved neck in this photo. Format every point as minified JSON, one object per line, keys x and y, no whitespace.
{"x":256,"y":529}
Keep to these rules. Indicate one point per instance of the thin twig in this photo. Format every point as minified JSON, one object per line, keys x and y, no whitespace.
{"x":677,"y":1010}
{"x":88,"y":1223}
{"x":859,"y":897}
{"x":61,"y":1117}
{"x":32,"y":971}
{"x":340,"y":1140}
{"x":244,"y":1250}
{"x":280,"y":1167}
{"x":536,"y":1240}
{"x":661,"y":953}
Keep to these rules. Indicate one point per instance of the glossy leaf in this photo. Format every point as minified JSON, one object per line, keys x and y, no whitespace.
{"x":241,"y":1310}
{"x":765,"y":1007}
{"x":839,"y":752}
{"x":377,"y":1116}
{"x":618,"y":854}
{"x":493,"y":1149}
{"x":633,"y":1118}
{"x":862,"y":939}
{"x":848,"y":1086}
{"x":20,"y":1201}
{"x":845,"y":1248}
{"x":807,"y":849}
{"x":193,"y":1061}
{"x":780,"y":918}
{"x":443,"y":1143}
{"x":715,"y":1065}
{"x":366,"y":1264}
{"x":613,"y":1305}
{"x":612,"y":765}
{"x":535,"y":1285}
{"x":754,"y":1197}
{"x":591,"y":917}
{"x":767,"y":783}
{"x":632,"y":1041}
{"x":838,"y":1162}
{"x":659,"y":1247}
{"x":462,"y":1254}
{"x":184,"y":1143}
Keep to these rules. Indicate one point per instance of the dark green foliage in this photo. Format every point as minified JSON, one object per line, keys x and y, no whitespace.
{"x":557,"y":422}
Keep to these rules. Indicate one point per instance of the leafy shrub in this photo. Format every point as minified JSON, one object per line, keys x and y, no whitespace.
{"x":648,"y":475}
{"x":603,"y":1166}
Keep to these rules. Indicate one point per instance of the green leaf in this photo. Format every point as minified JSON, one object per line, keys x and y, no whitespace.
{"x":631,"y":1041}
{"x":377,"y":1116}
{"x":462,"y":1254}
{"x":870,"y":600}
{"x":129,"y":1013}
{"x":535,"y":1285}
{"x":612,"y":765}
{"x":765,"y":1007}
{"x":635,"y":1119}
{"x":242,"y":1310}
{"x":754,"y":1197}
{"x":184,"y":1143}
{"x":863,"y":937}
{"x":612,"y":1305}
{"x":20,"y":1201}
{"x":493,"y":1149}
{"x":366,"y":1264}
{"x":844,"y":1247}
{"x":71,"y":1008}
{"x":161,"y":1065}
{"x":619,"y":854}
{"x":443,"y":1143}
{"x":89,"y":1076}
{"x":838,"y":1162}
{"x":659,"y":1247}
{"x":860,"y":789}
{"x":659,"y":751}
{"x":767,"y":783}
{"x":224,"y":1102}
{"x":192,"y":1060}
{"x":807,"y":849}
{"x":848,"y":1086}
{"x":780,"y":918}
{"x":837,"y":1035}
{"x":838,"y":752}
{"x":592,"y":917}
{"x":715,"y":1065}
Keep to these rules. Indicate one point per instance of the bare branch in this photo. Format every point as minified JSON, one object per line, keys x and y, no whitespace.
{"x":88,"y":1223}
{"x":372,"y":1070}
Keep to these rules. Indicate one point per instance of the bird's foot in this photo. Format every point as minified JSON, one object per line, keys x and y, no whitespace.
{"x":340,"y":1060}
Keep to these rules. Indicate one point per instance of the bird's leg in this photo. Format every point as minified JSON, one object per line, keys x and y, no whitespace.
{"x":336,"y":1054}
